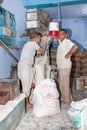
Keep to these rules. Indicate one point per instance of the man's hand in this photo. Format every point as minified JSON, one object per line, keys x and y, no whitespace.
{"x":43,"y":44}
{"x":44,"y":39}
{"x":73,"y":49}
{"x":67,"y":56}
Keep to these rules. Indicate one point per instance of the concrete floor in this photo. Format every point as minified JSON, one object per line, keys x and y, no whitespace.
{"x":60,"y":121}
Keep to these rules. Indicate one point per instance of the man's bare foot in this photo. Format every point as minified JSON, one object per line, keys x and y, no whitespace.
{"x":28,"y":107}
{"x":33,"y":85}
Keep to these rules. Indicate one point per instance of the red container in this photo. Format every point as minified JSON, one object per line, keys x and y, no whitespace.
{"x":53,"y":33}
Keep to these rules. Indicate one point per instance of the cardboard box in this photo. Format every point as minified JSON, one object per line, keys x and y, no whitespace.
{"x":81,"y":83}
{"x":37,"y":18}
{"x":10,"y":85}
{"x":4,"y":97}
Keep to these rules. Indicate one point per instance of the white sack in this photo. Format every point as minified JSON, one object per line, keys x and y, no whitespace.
{"x":46,"y":100}
{"x":40,"y":68}
{"x":39,"y":73}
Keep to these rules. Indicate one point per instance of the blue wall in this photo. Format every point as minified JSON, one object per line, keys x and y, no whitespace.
{"x":16,"y":7}
{"x":77,"y":30}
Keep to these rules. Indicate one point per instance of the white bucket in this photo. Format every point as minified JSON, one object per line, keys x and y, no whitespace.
{"x":53,"y":28}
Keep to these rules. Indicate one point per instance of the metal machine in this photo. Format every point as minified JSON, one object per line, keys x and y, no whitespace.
{"x":43,"y":68}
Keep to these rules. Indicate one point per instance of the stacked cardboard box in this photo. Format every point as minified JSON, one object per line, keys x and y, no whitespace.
{"x":38,"y":19}
{"x":76,"y":64}
{"x":84,"y":64}
{"x":79,"y":64}
{"x":79,"y":70}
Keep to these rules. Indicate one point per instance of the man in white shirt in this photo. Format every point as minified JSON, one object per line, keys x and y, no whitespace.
{"x":65,"y":49}
{"x":25,"y":69}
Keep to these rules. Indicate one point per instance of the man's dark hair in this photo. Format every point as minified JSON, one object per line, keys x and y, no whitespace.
{"x":63,"y":29}
{"x":33,"y":34}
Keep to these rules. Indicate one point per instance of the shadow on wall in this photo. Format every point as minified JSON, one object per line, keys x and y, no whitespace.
{"x":77,"y":43}
{"x":1,"y":1}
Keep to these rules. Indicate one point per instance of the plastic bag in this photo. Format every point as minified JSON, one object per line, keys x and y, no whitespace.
{"x":78,"y":114}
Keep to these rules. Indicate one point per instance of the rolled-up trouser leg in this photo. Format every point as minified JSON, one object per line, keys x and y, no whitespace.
{"x":26,"y":76}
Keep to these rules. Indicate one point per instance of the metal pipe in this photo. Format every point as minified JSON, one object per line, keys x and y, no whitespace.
{"x":8,"y":52}
{"x":59,"y":11}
